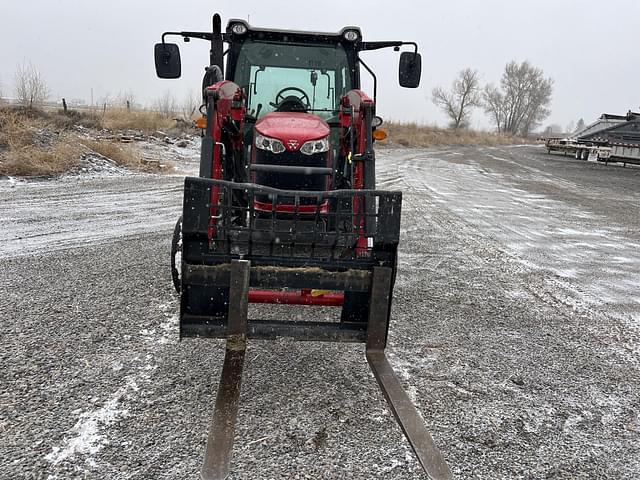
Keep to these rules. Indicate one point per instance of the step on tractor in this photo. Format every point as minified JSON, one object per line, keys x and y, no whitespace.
{"x":285,"y":209}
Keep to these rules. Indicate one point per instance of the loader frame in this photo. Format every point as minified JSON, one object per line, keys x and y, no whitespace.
{"x":322,"y":252}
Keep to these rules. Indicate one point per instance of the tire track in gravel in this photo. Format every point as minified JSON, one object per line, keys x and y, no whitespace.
{"x":90,"y":434}
{"x":45,"y":216}
{"x":593,"y":261}
{"x":572,"y":359}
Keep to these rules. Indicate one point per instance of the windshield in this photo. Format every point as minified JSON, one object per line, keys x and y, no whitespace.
{"x":317,"y":74}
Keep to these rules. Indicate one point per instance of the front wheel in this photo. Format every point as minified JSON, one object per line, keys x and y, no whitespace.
{"x":176,"y":256}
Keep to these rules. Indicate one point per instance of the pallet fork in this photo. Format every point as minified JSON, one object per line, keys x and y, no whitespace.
{"x":220,"y":440}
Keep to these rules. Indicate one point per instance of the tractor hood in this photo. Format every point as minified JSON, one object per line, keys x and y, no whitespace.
{"x":292,"y":128}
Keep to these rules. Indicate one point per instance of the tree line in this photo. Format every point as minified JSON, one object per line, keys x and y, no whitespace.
{"x":516,"y":106}
{"x":31,"y":90}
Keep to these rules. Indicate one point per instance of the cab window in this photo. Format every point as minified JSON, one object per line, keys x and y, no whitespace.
{"x":317,"y":74}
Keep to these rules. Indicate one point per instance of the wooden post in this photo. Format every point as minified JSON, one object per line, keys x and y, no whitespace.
{"x":64,"y":105}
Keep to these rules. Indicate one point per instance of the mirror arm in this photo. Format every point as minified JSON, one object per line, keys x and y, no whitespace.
{"x":395,"y":44}
{"x":200,"y":35}
{"x":378,"y":45}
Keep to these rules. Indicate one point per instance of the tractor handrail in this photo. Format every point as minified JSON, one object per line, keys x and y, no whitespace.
{"x":302,"y":193}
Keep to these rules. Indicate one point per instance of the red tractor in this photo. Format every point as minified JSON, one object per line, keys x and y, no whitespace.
{"x":285,"y":209}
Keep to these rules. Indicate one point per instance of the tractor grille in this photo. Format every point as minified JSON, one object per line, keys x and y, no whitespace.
{"x":291,"y":180}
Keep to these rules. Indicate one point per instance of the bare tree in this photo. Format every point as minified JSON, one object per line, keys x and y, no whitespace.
{"x":522,"y":102}
{"x":166,"y":105}
{"x":30,"y":88}
{"x":570,"y":128}
{"x":580,"y":125}
{"x":464,"y":95}
{"x":105,"y":100}
{"x":190,"y":105}
{"x":493,"y":105}
{"x":125,"y":99}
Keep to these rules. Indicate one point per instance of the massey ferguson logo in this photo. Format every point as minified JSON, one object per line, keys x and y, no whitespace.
{"x":293,"y":144}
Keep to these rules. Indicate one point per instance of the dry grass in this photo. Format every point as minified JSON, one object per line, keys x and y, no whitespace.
{"x":414,"y":135}
{"x":34,"y":161}
{"x":36,"y":143}
{"x":29,"y":148}
{"x":123,"y":155}
{"x":14,"y":132}
{"x":147,"y":121}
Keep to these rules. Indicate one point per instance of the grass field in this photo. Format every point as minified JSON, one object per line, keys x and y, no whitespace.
{"x":35,"y":142}
{"x":415,"y":135}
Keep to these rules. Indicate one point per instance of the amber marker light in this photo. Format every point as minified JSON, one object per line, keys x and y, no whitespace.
{"x":379,"y":134}
{"x":201,"y":122}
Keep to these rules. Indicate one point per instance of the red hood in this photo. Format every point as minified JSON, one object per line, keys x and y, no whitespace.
{"x":292,"y":128}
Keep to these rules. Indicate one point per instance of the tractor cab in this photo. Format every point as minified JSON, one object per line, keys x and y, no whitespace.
{"x":293,"y":83}
{"x":298,"y":91}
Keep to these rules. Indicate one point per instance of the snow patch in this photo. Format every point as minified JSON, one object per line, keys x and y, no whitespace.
{"x":87,"y":437}
{"x":170,"y":325}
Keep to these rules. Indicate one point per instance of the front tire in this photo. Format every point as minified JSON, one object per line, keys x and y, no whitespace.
{"x":176,"y":256}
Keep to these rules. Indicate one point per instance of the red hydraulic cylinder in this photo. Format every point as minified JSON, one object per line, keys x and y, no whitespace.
{"x":303,"y":297}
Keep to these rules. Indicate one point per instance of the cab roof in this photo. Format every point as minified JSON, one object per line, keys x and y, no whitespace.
{"x":295,"y":35}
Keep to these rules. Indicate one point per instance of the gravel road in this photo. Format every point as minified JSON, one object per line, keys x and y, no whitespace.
{"x":515,"y":330}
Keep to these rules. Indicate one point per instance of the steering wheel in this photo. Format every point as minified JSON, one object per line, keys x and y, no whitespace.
{"x":291,"y":102}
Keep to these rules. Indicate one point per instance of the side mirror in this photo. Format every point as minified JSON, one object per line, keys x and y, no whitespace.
{"x":410,"y":69}
{"x":167,"y":60}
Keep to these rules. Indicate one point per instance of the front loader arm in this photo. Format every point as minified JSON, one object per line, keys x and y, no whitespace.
{"x":222,"y":153}
{"x":225,"y":122}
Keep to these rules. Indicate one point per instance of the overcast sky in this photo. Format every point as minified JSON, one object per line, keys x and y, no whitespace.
{"x":589,"y":48}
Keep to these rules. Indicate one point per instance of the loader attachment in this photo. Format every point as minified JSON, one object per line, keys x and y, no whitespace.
{"x":313,"y":241}
{"x":340,"y":244}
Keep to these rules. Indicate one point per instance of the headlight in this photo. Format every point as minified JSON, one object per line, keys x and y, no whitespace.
{"x":315,"y":146}
{"x":269,"y":144}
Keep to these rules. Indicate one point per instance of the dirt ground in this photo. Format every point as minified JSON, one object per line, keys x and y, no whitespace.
{"x":515,"y":331}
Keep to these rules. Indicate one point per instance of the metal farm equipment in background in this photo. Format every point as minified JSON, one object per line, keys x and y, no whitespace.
{"x":285,"y":209}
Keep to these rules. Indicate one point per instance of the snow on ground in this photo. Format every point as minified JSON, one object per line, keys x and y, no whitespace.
{"x":514,"y":330}
{"x":90,"y":433}
{"x":98,"y":202}
{"x":86,"y":437}
{"x":579,"y":246}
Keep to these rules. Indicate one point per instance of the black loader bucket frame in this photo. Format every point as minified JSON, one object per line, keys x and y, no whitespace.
{"x":230,"y":249}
